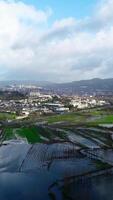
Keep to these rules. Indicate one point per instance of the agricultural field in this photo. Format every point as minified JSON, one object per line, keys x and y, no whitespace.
{"x":83,"y":136}
{"x":31,"y":134}
{"x":92,"y":117}
{"x":67,"y":154}
{"x":107,"y":119}
{"x":70,"y":117}
{"x":7,"y":116}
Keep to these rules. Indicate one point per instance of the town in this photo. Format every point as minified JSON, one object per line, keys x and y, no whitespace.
{"x":23,"y":100}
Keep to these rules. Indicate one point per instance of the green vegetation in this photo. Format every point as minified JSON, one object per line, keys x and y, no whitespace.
{"x":30,"y":133}
{"x":7,"y":116}
{"x":91,"y":118}
{"x":70,"y":117}
{"x":88,"y":117}
{"x":8,"y":134}
{"x":107,"y":119}
{"x":33,"y":134}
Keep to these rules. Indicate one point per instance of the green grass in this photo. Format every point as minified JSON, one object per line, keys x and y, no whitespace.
{"x":107,"y":119}
{"x":104,"y":120}
{"x":70,"y":117}
{"x":83,"y":118}
{"x":8,"y":134}
{"x":7,"y":116}
{"x":31,"y":134}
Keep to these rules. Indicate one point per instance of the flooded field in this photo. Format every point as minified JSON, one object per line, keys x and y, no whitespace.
{"x":82,"y":140}
{"x":58,"y":158}
{"x":98,"y":188}
{"x":22,"y":186}
{"x":34,"y":167}
{"x":93,"y":137}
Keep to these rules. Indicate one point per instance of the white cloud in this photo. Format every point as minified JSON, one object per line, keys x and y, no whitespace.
{"x":69,"y":49}
{"x":105,"y":11}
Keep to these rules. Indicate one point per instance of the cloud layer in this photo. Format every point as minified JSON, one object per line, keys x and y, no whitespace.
{"x":69,"y":49}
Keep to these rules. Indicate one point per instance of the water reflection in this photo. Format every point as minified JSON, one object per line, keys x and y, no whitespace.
{"x":99,"y":188}
{"x":25,"y":186}
{"x":34,"y":172}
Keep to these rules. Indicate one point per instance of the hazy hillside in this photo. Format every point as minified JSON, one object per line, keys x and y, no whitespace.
{"x":93,"y":85}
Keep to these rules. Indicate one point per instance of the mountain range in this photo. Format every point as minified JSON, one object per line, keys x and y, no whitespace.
{"x":84,"y":86}
{"x":79,"y":87}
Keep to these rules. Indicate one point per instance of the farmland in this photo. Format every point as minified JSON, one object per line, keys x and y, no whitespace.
{"x":72,"y":147}
{"x":7,"y":116}
{"x":31,"y":134}
{"x":92,"y":117}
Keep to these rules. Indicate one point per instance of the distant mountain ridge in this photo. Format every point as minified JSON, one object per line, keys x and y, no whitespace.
{"x":92,"y":85}
{"x":91,"y":82}
{"x":82,"y":86}
{"x":24,"y":82}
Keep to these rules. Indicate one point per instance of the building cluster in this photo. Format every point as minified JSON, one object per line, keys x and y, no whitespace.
{"x":41,"y":103}
{"x":85,"y":102}
{"x":33,"y":102}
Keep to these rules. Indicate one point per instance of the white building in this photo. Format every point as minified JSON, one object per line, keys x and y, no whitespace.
{"x":34,"y":94}
{"x":62,"y":109}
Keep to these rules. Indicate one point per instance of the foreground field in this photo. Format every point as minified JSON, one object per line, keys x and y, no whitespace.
{"x":82,"y":136}
{"x":30,"y":133}
{"x":58,"y":152}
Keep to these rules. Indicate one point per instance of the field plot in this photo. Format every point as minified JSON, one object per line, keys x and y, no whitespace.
{"x":31,"y":134}
{"x":91,"y":137}
{"x":27,"y":186}
{"x":72,"y":167}
{"x":106,"y":155}
{"x":88,"y":117}
{"x":60,"y":159}
{"x":12,"y":155}
{"x":63,"y":160}
{"x":106,"y":119}
{"x":70,"y":117}
{"x":98,"y":188}
{"x":34,"y":134}
{"x":73,"y":137}
{"x":7,"y":116}
{"x":53,"y":164}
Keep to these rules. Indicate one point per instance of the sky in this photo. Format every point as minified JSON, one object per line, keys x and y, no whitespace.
{"x":56,"y":40}
{"x":65,"y":8}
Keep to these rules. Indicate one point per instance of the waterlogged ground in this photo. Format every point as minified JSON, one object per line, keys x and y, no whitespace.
{"x":33,"y":162}
{"x":98,"y":188}
{"x":59,"y":158}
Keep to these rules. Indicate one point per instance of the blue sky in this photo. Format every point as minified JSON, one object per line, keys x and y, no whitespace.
{"x":66,"y":8}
